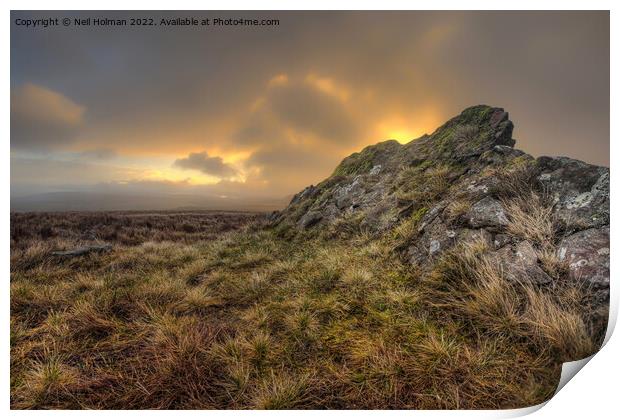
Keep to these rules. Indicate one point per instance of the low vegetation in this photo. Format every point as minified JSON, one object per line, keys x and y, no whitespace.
{"x":430,"y":275}
{"x":237,"y":315}
{"x":124,"y":228}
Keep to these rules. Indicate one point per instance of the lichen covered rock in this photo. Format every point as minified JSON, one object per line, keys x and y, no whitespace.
{"x":455,"y":186}
{"x":587,"y":255}
{"x":581,"y":191}
{"x":487,"y":212}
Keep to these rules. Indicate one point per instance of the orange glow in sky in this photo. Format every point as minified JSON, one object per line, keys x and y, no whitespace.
{"x":405,"y":129}
{"x":268,"y":111}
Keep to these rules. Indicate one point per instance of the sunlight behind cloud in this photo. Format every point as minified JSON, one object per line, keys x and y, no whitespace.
{"x":175,"y":175}
{"x":161,"y":169}
{"x":405,"y":129}
{"x":402,"y":136}
{"x":284,"y":108}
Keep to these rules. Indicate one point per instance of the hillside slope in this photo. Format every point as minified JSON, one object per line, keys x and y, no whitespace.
{"x":450,"y":272}
{"x":467,"y":181}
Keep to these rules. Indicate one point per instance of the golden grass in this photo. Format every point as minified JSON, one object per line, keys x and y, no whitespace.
{"x":556,"y":327}
{"x":552,"y":265}
{"x":423,"y":186}
{"x":531,"y":218}
{"x":478,"y":292}
{"x":46,"y":380}
{"x":282,"y":392}
{"x":253,"y":321}
{"x":456,"y":209}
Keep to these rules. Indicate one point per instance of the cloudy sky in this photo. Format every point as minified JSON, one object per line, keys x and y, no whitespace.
{"x":256,"y":113}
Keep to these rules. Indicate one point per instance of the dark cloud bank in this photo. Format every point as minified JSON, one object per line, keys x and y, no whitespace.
{"x":268,"y":111}
{"x":208,"y":165}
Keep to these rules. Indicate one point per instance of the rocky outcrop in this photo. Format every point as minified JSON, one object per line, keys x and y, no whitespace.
{"x":463,"y":183}
{"x":520,"y":263}
{"x":488,"y":213}
{"x":580,"y":191}
{"x":587,"y":255}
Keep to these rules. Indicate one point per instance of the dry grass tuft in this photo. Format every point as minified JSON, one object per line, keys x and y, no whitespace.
{"x":559,"y":328}
{"x":456,"y":209}
{"x":47,"y":381}
{"x":552,"y":265}
{"x":424,"y":186}
{"x":282,"y":392}
{"x":531,"y":218}
{"x":477,"y":291}
{"x":250,"y":320}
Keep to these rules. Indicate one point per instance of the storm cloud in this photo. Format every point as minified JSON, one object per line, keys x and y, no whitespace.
{"x":210,"y":165}
{"x":42,"y":118}
{"x":269,"y":110}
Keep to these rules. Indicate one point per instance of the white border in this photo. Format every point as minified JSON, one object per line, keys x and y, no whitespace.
{"x":594,"y":394}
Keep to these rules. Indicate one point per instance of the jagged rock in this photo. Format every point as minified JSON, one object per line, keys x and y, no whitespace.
{"x":500,"y":240}
{"x":372,"y":176}
{"x":487,"y":212}
{"x":446,"y":187}
{"x":580,"y":191}
{"x":382,"y":216}
{"x":587,"y":254}
{"x":83,"y":250}
{"x":273,"y":216}
{"x":310,"y":219}
{"x":375,"y":170}
{"x":526,"y":253}
{"x":471,"y":235}
{"x":520,"y":263}
{"x":431,"y":215}
{"x":504,"y":127}
{"x":305,"y":193}
{"x":438,"y":238}
{"x":474,"y":188}
{"x":415,"y":256}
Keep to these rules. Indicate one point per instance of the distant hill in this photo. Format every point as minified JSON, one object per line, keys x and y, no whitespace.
{"x":98,"y":201}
